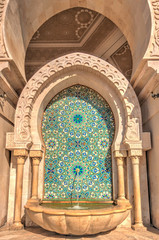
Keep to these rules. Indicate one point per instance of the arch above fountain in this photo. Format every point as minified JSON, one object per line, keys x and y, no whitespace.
{"x":33,"y":19}
{"x":129,"y":124}
{"x":92,"y":72}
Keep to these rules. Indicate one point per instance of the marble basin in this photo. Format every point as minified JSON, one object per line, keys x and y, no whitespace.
{"x":78,"y":222}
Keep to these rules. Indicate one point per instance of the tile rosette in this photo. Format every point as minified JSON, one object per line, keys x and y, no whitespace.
{"x":78,"y":130}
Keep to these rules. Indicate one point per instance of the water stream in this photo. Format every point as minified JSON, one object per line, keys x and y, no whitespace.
{"x":77,"y":206}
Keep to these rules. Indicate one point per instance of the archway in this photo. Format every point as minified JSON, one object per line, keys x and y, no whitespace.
{"x":129,"y":100}
{"x":121,"y":13}
{"x":79,"y":68}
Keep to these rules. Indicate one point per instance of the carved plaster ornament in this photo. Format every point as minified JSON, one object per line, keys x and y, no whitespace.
{"x":83,"y":25}
{"x":3,"y":98}
{"x":155,"y":6}
{"x":123,"y":50}
{"x":3,"y":52}
{"x":30,"y":92}
{"x":155,"y":51}
{"x":132,"y":133}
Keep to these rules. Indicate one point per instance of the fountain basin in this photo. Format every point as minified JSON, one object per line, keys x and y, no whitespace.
{"x":78,"y":222}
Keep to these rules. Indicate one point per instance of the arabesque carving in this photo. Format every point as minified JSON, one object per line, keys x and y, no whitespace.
{"x":3,"y":52}
{"x":30,"y":93}
{"x":155,"y":51}
{"x":2,"y":4}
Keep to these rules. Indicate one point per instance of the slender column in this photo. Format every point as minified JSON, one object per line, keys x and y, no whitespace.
{"x":36,"y":158}
{"x":35,"y":165}
{"x":137,"y":194}
{"x":121,"y":184}
{"x":21,"y":156}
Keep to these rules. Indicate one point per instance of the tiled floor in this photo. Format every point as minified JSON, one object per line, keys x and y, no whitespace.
{"x":41,"y":234}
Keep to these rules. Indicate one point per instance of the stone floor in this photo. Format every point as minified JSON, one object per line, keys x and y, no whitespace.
{"x":41,"y":234}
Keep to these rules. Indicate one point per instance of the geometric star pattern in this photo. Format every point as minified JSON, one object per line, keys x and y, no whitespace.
{"x":78,"y":130}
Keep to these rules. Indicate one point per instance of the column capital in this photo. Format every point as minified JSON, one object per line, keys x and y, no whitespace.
{"x":135,"y":160}
{"x":135,"y":152}
{"x":36,"y":154}
{"x":36,"y":157}
{"x":120,"y":153}
{"x":20,"y":153}
{"x":36,"y":161}
{"x":120,"y":161}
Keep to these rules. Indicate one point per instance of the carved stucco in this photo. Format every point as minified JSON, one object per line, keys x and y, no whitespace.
{"x":2,"y":4}
{"x":133,"y":130}
{"x":155,"y":41}
{"x":3,"y":52}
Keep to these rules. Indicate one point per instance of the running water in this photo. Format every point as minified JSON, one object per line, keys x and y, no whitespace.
{"x":77,"y":206}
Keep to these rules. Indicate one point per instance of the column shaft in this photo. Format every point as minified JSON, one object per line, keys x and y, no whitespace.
{"x":18,"y":193}
{"x":121,"y":184}
{"x":35,"y":164}
{"x":137,"y":194}
{"x":36,"y":156}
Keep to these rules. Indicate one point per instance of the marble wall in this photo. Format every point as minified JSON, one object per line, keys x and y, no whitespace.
{"x":6,"y":125}
{"x":150,"y":112}
{"x":20,"y":18}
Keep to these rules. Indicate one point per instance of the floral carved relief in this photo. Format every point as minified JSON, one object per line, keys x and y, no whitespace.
{"x":2,"y":47}
{"x":155,"y":6}
{"x":122,"y":86}
{"x":2,"y":4}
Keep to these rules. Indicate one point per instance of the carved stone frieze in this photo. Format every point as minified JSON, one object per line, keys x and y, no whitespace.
{"x":30,"y":93}
{"x":135,"y":152}
{"x":36,"y":154}
{"x":20,"y":152}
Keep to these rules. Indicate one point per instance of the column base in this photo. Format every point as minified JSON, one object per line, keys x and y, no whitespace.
{"x":17,"y":226}
{"x":138,"y":227}
{"x":33,"y":202}
{"x":123,"y":202}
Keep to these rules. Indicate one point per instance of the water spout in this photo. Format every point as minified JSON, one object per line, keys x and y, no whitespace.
{"x":77,"y":206}
{"x":77,"y":177}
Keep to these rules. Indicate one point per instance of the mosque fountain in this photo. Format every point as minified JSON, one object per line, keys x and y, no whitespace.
{"x":76,"y":220}
{"x":82,"y":150}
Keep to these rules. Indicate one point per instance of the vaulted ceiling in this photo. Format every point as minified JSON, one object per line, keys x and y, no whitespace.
{"x":78,"y":29}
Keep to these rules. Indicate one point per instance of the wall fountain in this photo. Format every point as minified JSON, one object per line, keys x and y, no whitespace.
{"x":78,"y":130}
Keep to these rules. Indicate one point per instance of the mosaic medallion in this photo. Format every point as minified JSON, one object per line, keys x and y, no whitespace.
{"x":78,"y":130}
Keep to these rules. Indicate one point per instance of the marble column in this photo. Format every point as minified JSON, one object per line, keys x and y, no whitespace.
{"x":36,"y":157}
{"x":137,"y":193}
{"x":121,"y":183}
{"x":21,"y":156}
{"x":35,"y":166}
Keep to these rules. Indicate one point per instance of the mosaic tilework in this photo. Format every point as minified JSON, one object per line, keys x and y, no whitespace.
{"x":78,"y":129}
